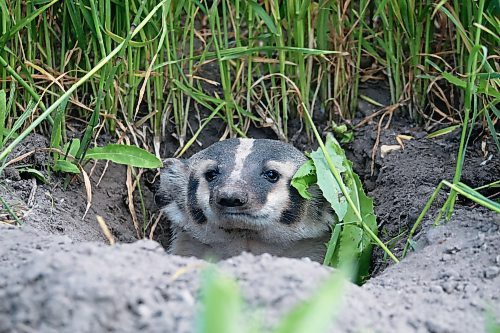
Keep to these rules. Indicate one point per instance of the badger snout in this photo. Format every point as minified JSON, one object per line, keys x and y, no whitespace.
{"x":231,"y":198}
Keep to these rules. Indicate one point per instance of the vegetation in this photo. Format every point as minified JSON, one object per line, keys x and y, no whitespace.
{"x":147,"y":70}
{"x":223,"y":305}
{"x":350,"y":245}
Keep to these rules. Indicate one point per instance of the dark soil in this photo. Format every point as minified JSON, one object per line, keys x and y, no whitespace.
{"x":54,"y":209}
{"x":57,"y":273}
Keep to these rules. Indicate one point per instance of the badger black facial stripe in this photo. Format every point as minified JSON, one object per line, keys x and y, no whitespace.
{"x":194,"y":209}
{"x":162,"y":199}
{"x":293,"y":213}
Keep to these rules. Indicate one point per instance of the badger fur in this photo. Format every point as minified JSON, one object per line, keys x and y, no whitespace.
{"x":235,"y":196}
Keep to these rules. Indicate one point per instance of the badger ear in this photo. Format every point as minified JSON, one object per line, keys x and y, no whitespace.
{"x":173,"y":181}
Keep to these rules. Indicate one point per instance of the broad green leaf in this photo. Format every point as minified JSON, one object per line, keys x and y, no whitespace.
{"x":316,"y":314}
{"x":352,"y":247}
{"x":34,"y":173}
{"x":332,"y":245}
{"x":304,"y":178}
{"x":65,"y":166}
{"x":348,"y":251}
{"x":364,"y":247}
{"x":123,"y":154}
{"x":326,"y":181}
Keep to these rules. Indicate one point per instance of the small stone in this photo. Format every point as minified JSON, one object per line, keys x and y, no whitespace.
{"x":446,"y":257}
{"x":435,"y":326}
{"x":436,"y":289}
{"x":143,"y":310}
{"x":449,"y":286}
{"x":491,"y":272}
{"x":452,"y":249}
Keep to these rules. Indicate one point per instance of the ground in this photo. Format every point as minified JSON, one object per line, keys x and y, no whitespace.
{"x":57,"y":273}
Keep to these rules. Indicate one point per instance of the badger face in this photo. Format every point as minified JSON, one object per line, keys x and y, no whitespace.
{"x":236,"y":195}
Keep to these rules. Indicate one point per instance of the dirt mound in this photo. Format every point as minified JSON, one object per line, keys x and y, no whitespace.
{"x":52,"y":284}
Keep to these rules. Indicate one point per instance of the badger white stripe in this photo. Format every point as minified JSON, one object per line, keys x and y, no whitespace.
{"x":244,"y":149}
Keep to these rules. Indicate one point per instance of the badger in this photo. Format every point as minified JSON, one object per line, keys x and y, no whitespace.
{"x":235,"y":196}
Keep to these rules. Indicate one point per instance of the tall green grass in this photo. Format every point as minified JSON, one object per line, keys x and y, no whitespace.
{"x":161,"y":73}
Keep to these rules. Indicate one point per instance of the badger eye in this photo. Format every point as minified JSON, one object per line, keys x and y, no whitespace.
{"x":271,"y":175}
{"x":210,"y":175}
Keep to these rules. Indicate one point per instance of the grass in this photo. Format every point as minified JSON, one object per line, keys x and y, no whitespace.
{"x":146,"y":71}
{"x":223,"y":304}
{"x":155,"y":75}
{"x":143,"y":71}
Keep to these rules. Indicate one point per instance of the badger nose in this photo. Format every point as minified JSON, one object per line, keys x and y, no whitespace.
{"x":232,"y":198}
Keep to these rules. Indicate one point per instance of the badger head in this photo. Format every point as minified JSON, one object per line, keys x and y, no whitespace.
{"x":240,"y":189}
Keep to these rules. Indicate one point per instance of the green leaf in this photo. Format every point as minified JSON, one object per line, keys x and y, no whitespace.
{"x":332,"y":245}
{"x":56,"y":135}
{"x":488,"y":76}
{"x":475,"y":196}
{"x":22,"y":23}
{"x":123,"y":154}
{"x":363,"y":245}
{"x":65,"y":166}
{"x":351,"y":247}
{"x":221,"y":305}
{"x":20,"y":121}
{"x":326,"y":181}
{"x":260,"y":12}
{"x":348,"y":250}
{"x":34,"y":173}
{"x":343,"y":133}
{"x":442,"y":131}
{"x":3,"y":113}
{"x":132,"y":43}
{"x":304,"y":178}
{"x":491,"y":126}
{"x":454,"y":80}
{"x":72,"y":147}
{"x":247,"y":114}
{"x":485,"y":88}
